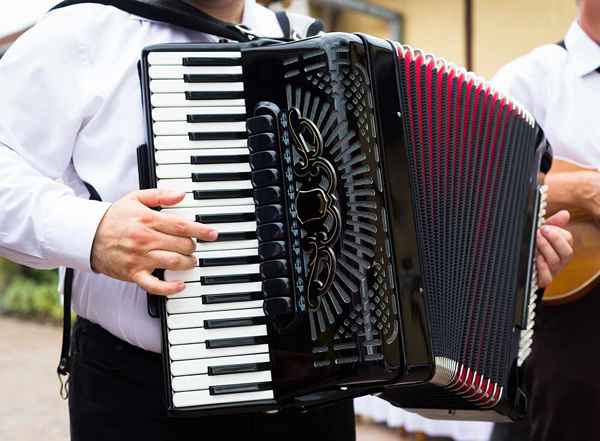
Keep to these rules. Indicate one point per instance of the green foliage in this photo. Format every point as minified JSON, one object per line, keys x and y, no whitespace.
{"x":29,"y":293}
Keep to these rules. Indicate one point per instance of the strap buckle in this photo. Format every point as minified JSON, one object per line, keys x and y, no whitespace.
{"x":64,"y":377}
{"x":245,"y":32}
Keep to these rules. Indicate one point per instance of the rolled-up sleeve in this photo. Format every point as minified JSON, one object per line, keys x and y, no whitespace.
{"x":43,"y":105}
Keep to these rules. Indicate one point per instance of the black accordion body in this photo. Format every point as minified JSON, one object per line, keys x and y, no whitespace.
{"x":377,"y":210}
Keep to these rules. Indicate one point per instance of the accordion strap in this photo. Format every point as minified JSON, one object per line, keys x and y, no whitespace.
{"x":173,"y":12}
{"x":64,"y":364}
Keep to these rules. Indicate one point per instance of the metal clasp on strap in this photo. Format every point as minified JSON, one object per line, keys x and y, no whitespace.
{"x":245,"y":32}
{"x":64,"y":378}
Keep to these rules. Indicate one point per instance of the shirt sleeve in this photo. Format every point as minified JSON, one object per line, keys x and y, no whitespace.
{"x":43,"y":105}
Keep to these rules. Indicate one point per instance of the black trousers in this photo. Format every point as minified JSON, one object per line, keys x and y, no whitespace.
{"x":116,"y":393}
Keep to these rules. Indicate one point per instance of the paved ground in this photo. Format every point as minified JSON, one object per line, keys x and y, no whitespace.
{"x":30,"y":408}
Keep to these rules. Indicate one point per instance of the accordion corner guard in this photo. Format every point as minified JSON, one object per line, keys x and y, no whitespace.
{"x":377,"y":210}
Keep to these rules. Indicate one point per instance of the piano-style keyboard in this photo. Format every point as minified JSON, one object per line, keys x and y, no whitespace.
{"x":218,"y":346}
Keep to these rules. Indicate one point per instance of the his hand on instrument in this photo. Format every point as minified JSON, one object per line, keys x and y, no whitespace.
{"x":133,"y":240}
{"x":554,"y":247}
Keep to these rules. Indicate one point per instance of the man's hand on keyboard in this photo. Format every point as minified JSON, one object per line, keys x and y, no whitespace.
{"x":133,"y":240}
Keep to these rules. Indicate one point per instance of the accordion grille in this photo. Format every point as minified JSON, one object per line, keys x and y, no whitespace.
{"x":471,"y":154}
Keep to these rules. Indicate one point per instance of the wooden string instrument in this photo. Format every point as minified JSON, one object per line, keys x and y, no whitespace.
{"x":582,"y":273}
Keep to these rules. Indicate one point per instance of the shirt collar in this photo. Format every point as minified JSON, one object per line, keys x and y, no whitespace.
{"x":585,"y":51}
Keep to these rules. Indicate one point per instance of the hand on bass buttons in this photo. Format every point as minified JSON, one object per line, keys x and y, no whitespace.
{"x":133,"y":240}
{"x":554,"y":247}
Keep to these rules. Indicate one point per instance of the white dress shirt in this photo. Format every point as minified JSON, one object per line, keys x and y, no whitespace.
{"x":70,"y":108}
{"x":561,"y":88}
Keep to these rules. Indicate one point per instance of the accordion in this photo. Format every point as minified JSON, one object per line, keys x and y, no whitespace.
{"x":377,"y":210}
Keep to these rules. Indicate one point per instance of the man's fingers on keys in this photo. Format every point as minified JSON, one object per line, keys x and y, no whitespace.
{"x":154,"y":285}
{"x":172,"y":261}
{"x":178,"y":226}
{"x":177,"y":244}
{"x":544,"y":273}
{"x":155,"y":197}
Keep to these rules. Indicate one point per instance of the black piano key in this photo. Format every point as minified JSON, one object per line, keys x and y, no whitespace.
{"x":238,"y":368}
{"x":231,"y":159}
{"x":225,"y":194}
{"x":224,"y":218}
{"x":215,"y":118}
{"x":262,"y":142}
{"x":215,"y":299}
{"x":211,"y":177}
{"x":274,"y":268}
{"x":247,"y":235}
{"x":266,"y":177}
{"x":267,"y":195}
{"x":223,"y":280}
{"x":212,"y":78}
{"x":193,"y":96}
{"x":238,"y":388}
{"x":269,"y":213}
{"x":197,"y":61}
{"x":215,"y":136}
{"x":266,"y":159}
{"x":233,"y":342}
{"x":260,"y":124}
{"x":234,"y":322}
{"x":222,"y":261}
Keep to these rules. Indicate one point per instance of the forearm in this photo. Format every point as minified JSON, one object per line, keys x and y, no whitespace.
{"x":43,"y":224}
{"x":567,"y":191}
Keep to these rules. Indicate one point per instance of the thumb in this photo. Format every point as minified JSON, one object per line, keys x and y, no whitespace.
{"x":560,"y":219}
{"x":155,"y":197}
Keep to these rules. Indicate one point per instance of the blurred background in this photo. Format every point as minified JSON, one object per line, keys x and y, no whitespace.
{"x":481,"y":35}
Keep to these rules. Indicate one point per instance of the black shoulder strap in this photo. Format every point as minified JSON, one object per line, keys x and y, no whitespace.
{"x":284,"y":23}
{"x":174,"y":12}
{"x":64,"y":365}
{"x":561,"y":43}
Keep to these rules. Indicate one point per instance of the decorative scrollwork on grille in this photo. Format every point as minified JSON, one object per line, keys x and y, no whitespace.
{"x":316,"y":205}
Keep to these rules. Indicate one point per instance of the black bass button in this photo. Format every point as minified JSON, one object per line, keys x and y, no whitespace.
{"x":267,"y":195}
{"x":265,"y":177}
{"x":277,"y":306}
{"x":260,"y":124}
{"x":270,"y":232}
{"x":269,"y":213}
{"x":266,"y":159}
{"x":276,"y":287}
{"x":272,"y":250}
{"x":261,"y":142}
{"x":274,"y":268}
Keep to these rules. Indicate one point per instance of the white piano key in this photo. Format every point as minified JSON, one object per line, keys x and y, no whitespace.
{"x":226,"y":245}
{"x":174,"y":86}
{"x":200,"y":366}
{"x":189,"y":201}
{"x":224,"y":254}
{"x":190,"y":213}
{"x":202,"y":397}
{"x":196,"y":320}
{"x":173,"y":171}
{"x":180,"y":100}
{"x":194,"y":304}
{"x":177,"y":72}
{"x":234,"y":227}
{"x":196,"y":289}
{"x":183,"y":142}
{"x":169,"y":128}
{"x":198,"y":350}
{"x":212,"y":271}
{"x":184,"y":156}
{"x":187,"y":185}
{"x":199,"y":382}
{"x":181,"y":113}
{"x":199,"y":335}
{"x":176,"y":57}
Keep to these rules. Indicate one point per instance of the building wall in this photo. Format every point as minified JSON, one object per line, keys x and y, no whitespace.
{"x":502,"y":29}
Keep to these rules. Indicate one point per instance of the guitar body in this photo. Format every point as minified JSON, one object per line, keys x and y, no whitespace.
{"x":582,"y":273}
